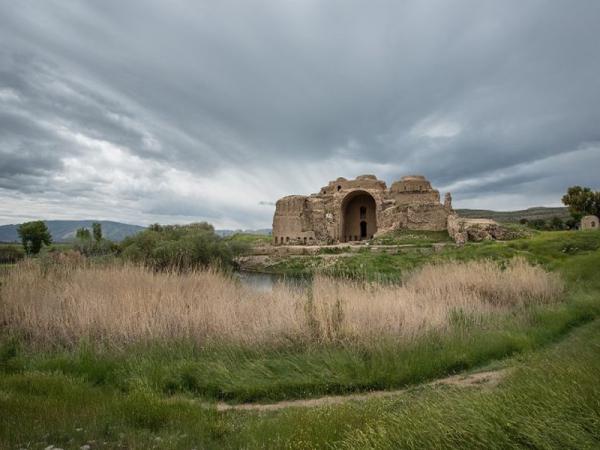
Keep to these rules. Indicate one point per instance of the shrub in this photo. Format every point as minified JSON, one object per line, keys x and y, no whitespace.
{"x":181,"y":247}
{"x":10,"y":254}
{"x":34,"y":235}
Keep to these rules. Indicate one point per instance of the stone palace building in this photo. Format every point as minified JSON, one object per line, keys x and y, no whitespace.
{"x":355,"y":210}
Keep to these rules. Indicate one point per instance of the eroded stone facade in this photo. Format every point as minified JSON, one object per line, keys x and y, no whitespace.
{"x":590,"y":223}
{"x":354,"y":210}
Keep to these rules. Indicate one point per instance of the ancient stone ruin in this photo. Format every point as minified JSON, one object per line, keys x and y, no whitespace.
{"x":354,"y":210}
{"x":360,"y":209}
{"x":590,"y":223}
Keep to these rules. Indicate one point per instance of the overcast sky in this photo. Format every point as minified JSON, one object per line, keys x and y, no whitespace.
{"x":177,"y":111}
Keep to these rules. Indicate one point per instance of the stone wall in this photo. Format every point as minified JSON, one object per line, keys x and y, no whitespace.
{"x":293,"y":222}
{"x":462,"y":230}
{"x":590,"y":223}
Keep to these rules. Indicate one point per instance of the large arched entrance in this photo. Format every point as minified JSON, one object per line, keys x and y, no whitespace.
{"x":359,"y":217}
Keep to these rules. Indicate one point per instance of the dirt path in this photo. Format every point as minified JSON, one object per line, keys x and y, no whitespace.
{"x":487,"y":379}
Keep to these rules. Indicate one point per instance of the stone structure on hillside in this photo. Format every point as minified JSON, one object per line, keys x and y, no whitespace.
{"x":355,"y":210}
{"x":590,"y":223}
{"x":462,"y":230}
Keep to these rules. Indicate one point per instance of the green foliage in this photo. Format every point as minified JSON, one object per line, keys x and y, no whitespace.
{"x":250,"y":239}
{"x":83,"y":234}
{"x":96,"y":247}
{"x":10,"y":254}
{"x":97,"y":231}
{"x":553,"y":224}
{"x":181,"y":247}
{"x":33,"y":235}
{"x":526,"y":215}
{"x":582,"y":201}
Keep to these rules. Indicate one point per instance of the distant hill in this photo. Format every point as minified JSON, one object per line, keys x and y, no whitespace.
{"x":225,"y":233}
{"x":64,"y":230}
{"x":539,"y":212}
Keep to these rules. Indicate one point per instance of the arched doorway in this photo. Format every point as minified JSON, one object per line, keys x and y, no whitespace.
{"x":359,"y":217}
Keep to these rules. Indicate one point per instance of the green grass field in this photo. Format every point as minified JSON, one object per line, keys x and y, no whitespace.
{"x":251,"y":239}
{"x":550,"y":249}
{"x":155,"y":395}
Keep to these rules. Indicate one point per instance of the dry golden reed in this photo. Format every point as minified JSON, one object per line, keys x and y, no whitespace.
{"x":127,"y":304}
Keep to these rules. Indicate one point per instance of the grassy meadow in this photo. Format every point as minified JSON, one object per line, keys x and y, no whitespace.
{"x":117,"y":355}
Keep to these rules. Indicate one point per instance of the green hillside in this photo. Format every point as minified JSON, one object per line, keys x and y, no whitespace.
{"x":535,"y":213}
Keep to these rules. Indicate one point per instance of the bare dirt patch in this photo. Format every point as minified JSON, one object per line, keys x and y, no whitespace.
{"x":480,"y":379}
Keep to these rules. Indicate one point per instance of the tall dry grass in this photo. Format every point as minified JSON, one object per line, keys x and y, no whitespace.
{"x":127,"y":304}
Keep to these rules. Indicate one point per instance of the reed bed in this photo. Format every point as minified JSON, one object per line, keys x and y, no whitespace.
{"x":126,"y":304}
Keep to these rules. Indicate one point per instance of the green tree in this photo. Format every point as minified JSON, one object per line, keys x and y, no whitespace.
{"x":83,"y":234}
{"x":556,"y":223}
{"x":97,"y":230}
{"x":582,"y":201}
{"x":537,"y":224}
{"x":33,"y":235}
{"x":571,"y":224}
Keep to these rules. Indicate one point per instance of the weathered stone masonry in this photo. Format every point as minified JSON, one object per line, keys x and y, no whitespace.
{"x":354,"y":210}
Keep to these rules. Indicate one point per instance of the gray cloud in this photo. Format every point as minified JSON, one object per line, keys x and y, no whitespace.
{"x":147,"y":111}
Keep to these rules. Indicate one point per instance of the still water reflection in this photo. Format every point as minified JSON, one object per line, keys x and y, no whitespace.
{"x":264,"y":282}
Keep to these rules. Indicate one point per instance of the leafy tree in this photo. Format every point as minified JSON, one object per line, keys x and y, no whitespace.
{"x":582,"y":201}
{"x":97,"y":230}
{"x":83,"y":234}
{"x":556,"y":223}
{"x":33,"y":235}
{"x":523,"y":221}
{"x":571,"y":224}
{"x":537,"y":224}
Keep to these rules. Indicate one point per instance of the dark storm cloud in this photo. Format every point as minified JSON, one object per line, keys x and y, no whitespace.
{"x":199,"y":109}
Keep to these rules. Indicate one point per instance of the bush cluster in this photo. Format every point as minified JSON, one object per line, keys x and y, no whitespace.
{"x":554,"y":224}
{"x":10,"y":254}
{"x":180,"y":247}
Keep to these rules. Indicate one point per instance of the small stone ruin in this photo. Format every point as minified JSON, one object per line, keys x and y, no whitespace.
{"x":590,"y":223}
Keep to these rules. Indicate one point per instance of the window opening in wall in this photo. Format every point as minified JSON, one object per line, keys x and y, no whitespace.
{"x":363,"y":212}
{"x":339,"y":188}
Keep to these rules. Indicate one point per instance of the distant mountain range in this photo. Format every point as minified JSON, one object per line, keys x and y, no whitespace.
{"x":536,"y":213}
{"x":64,"y":230}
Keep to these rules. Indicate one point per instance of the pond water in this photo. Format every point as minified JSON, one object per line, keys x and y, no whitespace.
{"x":264,"y":282}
